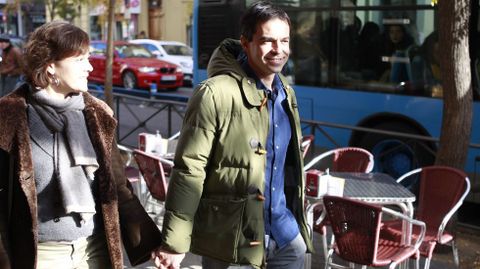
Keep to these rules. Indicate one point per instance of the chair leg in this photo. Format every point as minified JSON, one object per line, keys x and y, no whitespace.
{"x":324,"y":245}
{"x":456,"y":260}
{"x":328,"y":260}
{"x":427,"y":263}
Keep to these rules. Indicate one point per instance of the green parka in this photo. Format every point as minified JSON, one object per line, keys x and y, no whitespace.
{"x":214,"y":204}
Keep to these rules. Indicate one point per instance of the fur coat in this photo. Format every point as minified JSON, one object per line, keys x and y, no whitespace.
{"x":123,"y":215}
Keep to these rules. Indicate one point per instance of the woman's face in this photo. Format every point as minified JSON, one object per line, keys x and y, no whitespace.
{"x":72,"y":73}
{"x":396,"y":34}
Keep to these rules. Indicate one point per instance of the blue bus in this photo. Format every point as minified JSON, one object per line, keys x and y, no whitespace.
{"x":360,"y":63}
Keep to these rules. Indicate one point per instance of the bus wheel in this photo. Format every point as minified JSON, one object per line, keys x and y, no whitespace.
{"x":397,"y":155}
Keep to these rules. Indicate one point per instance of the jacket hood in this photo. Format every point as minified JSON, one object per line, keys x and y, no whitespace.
{"x":224,"y":59}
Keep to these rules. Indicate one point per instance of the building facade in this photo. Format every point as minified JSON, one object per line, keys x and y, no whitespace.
{"x":156,"y":19}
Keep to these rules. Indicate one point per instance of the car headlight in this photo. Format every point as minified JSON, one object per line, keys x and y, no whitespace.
{"x":146,"y":69}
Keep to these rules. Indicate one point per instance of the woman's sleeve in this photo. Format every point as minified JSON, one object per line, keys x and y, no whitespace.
{"x":140,"y":235}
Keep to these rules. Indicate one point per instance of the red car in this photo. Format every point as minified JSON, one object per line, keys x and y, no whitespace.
{"x":133,"y":67}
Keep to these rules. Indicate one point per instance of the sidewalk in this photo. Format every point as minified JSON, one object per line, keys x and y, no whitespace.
{"x":468,"y":241}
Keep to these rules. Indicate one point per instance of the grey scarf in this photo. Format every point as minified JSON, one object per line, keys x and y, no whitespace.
{"x":64,"y":117}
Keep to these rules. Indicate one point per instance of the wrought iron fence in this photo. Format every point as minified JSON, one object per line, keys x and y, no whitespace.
{"x":140,"y":111}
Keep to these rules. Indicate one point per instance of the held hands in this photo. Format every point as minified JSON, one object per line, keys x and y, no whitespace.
{"x":167,"y":260}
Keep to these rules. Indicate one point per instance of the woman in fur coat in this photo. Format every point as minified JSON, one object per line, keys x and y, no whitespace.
{"x":62,"y":205}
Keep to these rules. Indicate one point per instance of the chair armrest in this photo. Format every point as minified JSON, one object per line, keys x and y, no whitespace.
{"x":124,"y":148}
{"x":419,"y":223}
{"x":404,"y":176}
{"x":174,"y":136}
{"x":317,"y":159}
{"x":128,"y":152}
{"x":166,"y":161}
{"x":452,"y":211}
{"x":306,"y":143}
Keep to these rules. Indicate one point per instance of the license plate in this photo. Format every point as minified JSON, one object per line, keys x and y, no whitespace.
{"x":168,"y":78}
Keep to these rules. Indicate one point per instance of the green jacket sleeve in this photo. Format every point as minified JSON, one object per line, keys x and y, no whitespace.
{"x":190,"y":170}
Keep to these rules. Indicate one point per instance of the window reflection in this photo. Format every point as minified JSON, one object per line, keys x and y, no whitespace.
{"x":372,"y":50}
{"x":309,"y":61}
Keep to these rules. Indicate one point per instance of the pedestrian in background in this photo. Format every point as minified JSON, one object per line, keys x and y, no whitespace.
{"x":62,"y":203}
{"x":10,"y":66}
{"x":236,"y":194}
{"x":141,"y":35}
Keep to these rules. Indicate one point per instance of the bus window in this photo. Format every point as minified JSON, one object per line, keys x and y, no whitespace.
{"x":377,"y":50}
{"x":393,"y":2}
{"x":309,"y":58}
{"x":212,"y":18}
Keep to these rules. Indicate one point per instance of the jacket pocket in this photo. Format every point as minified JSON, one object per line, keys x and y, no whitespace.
{"x":230,"y":230}
{"x":217,"y":228}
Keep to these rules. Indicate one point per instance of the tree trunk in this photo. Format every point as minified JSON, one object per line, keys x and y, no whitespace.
{"x":108,"y":86}
{"x":108,"y":70}
{"x":454,"y":17}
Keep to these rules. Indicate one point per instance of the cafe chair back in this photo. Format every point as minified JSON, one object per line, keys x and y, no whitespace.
{"x":441,"y":192}
{"x":152,"y":170}
{"x":131,"y":171}
{"x":307,"y":143}
{"x":356,"y":227}
{"x":345,"y":159}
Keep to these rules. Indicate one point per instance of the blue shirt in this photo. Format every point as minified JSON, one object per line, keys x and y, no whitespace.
{"x":280,"y":224}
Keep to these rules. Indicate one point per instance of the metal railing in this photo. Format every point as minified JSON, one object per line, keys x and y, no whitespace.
{"x":139,"y":111}
{"x":318,"y":126}
{"x":144,"y":110}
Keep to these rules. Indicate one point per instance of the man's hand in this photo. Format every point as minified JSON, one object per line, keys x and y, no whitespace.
{"x":167,"y":260}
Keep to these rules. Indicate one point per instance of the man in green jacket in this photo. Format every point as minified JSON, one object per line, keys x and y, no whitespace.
{"x":236,"y":192}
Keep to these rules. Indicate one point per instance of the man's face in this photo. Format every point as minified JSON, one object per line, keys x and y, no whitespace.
{"x":269,"y":49}
{"x":396,"y":34}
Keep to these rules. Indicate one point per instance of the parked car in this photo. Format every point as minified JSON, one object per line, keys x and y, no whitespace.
{"x":171,"y":51}
{"x":133,"y":67}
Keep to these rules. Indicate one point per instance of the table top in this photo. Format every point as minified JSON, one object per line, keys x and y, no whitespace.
{"x":374,"y":187}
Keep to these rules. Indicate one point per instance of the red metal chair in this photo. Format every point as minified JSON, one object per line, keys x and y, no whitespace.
{"x":356,"y":227}
{"x":346,"y":159}
{"x":152,"y":169}
{"x":441,"y":192}
{"x":307,"y":142}
{"x":132,"y":173}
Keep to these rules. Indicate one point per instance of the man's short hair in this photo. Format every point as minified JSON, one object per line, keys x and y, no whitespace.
{"x":260,"y":12}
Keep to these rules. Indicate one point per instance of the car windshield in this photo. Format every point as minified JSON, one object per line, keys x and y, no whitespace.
{"x":177,"y":50}
{"x":133,"y":51}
